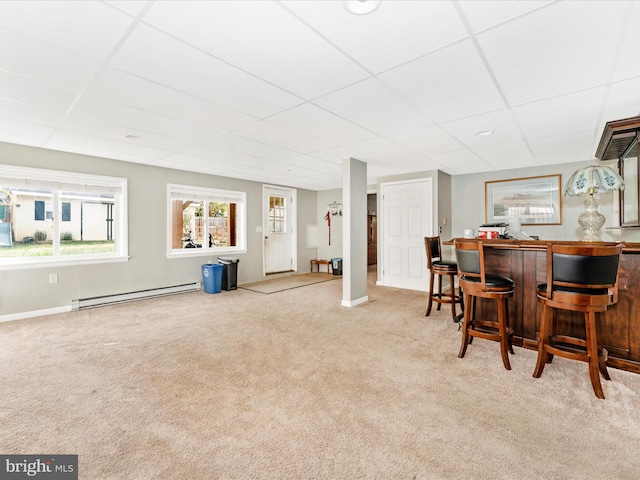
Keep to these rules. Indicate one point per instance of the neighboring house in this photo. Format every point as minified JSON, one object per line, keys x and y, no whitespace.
{"x":83,"y":218}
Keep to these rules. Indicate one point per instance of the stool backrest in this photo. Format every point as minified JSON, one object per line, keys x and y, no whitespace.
{"x":588,"y":267}
{"x":470,"y":258}
{"x":433,"y":248}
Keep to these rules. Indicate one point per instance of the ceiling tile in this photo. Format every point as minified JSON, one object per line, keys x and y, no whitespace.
{"x":483,"y":15}
{"x":181,"y":160}
{"x":89,"y":28}
{"x":449,"y":84}
{"x":500,"y":122}
{"x":30,"y":139}
{"x":315,"y":122}
{"x":373,"y":106}
{"x":30,"y":114}
{"x":277,"y":136}
{"x":254,"y":89}
{"x":623,"y":101}
{"x":15,"y":127}
{"x":131,"y":7}
{"x":153,"y":55}
{"x":107,"y":147}
{"x":311,"y":66}
{"x":537,"y":56}
{"x":428,"y":141}
{"x":115,"y":86}
{"x":396,"y":32}
{"x":130,"y":118}
{"x":506,"y":155}
{"x":564,"y":114}
{"x":107,"y":130}
{"x":206,"y":150}
{"x":34,"y":92}
{"x":251,"y":147}
{"x":627,"y":60}
{"x":312,"y":164}
{"x":70,"y":143}
{"x":31,"y":58}
{"x":379,"y":150}
{"x":568,"y":148}
{"x":462,"y":162}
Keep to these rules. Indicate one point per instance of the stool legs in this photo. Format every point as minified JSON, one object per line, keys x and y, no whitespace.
{"x":595,"y":356}
{"x":592,"y":351}
{"x":469,"y":311}
{"x":451,"y":298}
{"x":543,"y":340}
{"x":503,"y":325}
{"x":500,"y":330}
{"x":431,"y":278}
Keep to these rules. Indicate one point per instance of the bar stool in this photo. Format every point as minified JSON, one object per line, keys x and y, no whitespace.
{"x":476,"y":283}
{"x":580,"y":278}
{"x":438,"y":266}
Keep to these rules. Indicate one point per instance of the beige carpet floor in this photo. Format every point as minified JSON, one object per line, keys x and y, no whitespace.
{"x":273,"y":285}
{"x":241,"y":385}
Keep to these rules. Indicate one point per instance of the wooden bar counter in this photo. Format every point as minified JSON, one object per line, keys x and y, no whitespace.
{"x":525,"y":261}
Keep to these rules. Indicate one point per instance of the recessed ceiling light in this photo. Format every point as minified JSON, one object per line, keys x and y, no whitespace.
{"x":484,"y":133}
{"x":133,"y":137}
{"x":361,"y":7}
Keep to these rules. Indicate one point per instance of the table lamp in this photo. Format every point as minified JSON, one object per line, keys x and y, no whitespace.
{"x":593,"y":180}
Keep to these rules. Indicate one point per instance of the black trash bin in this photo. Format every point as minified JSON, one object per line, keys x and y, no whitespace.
{"x":336,"y":265}
{"x":229,"y":272}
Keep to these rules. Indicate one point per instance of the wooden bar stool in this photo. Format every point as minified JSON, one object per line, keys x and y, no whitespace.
{"x":580,"y":278}
{"x":440,"y":268}
{"x":476,"y":283}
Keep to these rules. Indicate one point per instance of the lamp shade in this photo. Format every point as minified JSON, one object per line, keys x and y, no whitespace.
{"x":593,"y":180}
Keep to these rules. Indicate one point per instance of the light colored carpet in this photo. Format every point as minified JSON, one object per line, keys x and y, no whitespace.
{"x":273,"y":285}
{"x":294,"y":386}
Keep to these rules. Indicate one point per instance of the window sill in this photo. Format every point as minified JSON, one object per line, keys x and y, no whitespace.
{"x":62,"y":262}
{"x":199,"y":252}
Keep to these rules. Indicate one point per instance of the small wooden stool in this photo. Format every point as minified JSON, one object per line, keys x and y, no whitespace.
{"x":321,"y":262}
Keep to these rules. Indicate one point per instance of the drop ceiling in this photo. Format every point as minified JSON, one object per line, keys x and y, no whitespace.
{"x":283,"y":91}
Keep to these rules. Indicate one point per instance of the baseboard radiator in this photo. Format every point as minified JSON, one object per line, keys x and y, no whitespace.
{"x":93,"y":302}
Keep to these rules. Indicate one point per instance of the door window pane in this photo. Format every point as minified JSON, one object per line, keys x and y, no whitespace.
{"x":277,"y":214}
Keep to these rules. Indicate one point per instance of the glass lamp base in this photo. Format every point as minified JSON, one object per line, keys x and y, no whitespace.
{"x":591,"y":221}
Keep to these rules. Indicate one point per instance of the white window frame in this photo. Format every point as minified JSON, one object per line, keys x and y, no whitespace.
{"x":209,"y":195}
{"x":57,"y":181}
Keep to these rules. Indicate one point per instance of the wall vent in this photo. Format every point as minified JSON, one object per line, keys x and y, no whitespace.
{"x":133,"y":296}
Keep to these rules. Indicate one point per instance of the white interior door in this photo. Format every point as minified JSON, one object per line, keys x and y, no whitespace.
{"x":406,"y":220}
{"x":279,"y":230}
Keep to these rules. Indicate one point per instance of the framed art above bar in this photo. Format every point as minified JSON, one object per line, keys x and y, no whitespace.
{"x":535,"y":200}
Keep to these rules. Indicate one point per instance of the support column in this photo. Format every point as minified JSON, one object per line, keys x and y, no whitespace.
{"x":354,"y":234}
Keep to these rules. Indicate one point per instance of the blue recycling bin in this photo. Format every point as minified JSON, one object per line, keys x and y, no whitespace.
{"x":212,"y":277}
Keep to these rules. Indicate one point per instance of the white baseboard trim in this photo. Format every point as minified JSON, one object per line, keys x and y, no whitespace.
{"x":353,"y":303}
{"x":34,"y":313}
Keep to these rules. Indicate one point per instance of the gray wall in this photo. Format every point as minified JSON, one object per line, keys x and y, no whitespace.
{"x":28,"y":290}
{"x":468,"y":202}
{"x":326,"y":251}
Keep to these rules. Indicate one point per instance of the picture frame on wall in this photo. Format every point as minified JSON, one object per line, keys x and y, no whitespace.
{"x":535,"y":200}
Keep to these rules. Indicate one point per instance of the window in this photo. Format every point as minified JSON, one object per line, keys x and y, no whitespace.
{"x":90,"y":227}
{"x":205,"y":220}
{"x":66,"y":212}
